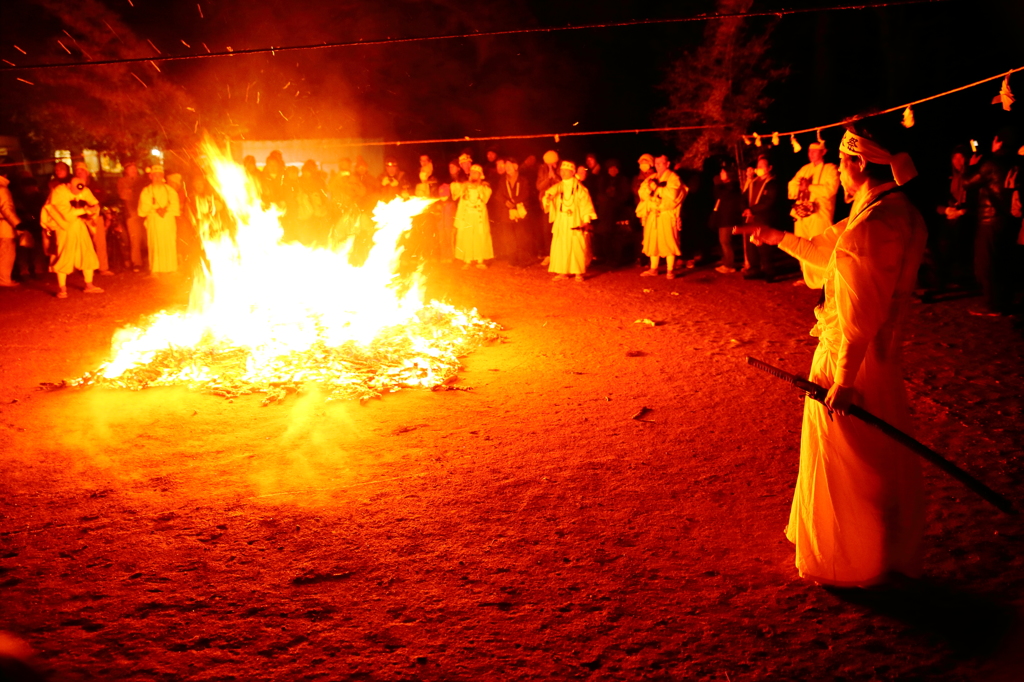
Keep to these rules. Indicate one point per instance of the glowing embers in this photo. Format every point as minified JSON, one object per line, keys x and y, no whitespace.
{"x":269,"y":317}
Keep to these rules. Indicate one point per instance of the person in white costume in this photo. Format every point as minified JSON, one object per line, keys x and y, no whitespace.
{"x":473,"y":227}
{"x":570,"y":211}
{"x":813,"y":191}
{"x":68,"y":218}
{"x":661,"y":196}
{"x":159,"y":206}
{"x":858,"y":515}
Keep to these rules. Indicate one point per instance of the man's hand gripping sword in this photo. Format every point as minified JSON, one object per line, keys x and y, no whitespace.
{"x":818,"y":392}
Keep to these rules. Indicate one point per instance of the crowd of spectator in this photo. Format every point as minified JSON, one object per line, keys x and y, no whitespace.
{"x":551,"y":212}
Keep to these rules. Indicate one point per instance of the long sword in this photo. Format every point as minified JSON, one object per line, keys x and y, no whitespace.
{"x":818,"y":392}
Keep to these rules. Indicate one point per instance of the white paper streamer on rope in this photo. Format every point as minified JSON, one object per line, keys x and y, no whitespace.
{"x":775,"y":139}
{"x":908,"y":117}
{"x":796,"y":145}
{"x":1005,"y":96}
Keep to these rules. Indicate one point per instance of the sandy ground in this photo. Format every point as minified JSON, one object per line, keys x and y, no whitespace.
{"x":525,"y":529}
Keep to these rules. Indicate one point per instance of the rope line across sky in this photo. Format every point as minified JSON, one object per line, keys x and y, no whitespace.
{"x":159,"y":57}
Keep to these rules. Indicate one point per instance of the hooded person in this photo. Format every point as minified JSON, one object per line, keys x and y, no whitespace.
{"x":159,"y":206}
{"x":857,"y":517}
{"x":570,"y":211}
{"x":473,"y":228}
{"x":813,"y":193}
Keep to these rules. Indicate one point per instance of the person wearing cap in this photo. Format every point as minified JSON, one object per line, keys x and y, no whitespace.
{"x":570,"y":211}
{"x":813,"y":192}
{"x":159,"y":207}
{"x":858,"y":510}
{"x":661,"y":197}
{"x":67,"y":218}
{"x":472,"y":225}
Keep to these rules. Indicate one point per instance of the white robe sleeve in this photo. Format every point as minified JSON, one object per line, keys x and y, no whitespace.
{"x":869,"y":260}
{"x":794,"y":184}
{"x":817,"y":250}
{"x":146,"y":202}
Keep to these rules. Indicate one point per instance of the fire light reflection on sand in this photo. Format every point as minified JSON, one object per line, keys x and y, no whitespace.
{"x":267,"y":316}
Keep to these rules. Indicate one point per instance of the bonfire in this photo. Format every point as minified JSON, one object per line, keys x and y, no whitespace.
{"x":269,"y":316}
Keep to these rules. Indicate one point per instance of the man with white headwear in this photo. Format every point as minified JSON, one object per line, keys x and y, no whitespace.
{"x":858,"y":516}
{"x":661,"y":197}
{"x":69,"y":217}
{"x":472,"y":225}
{"x":159,"y":206}
{"x":570,"y":211}
{"x":813,"y":192}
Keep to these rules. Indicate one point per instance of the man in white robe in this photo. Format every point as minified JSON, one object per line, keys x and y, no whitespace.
{"x":661,"y":197}
{"x":472,"y":224}
{"x":570,"y":211}
{"x":69,"y":217}
{"x":813,"y":191}
{"x":858,"y":514}
{"x":159,"y":206}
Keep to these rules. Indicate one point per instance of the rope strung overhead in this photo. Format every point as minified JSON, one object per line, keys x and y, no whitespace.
{"x":756,"y":137}
{"x":481,"y":34}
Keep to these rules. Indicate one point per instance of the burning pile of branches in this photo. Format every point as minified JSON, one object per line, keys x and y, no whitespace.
{"x":356,"y":331}
{"x":421,"y":353}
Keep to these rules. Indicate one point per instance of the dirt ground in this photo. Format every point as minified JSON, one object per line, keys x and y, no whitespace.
{"x":526,"y":529}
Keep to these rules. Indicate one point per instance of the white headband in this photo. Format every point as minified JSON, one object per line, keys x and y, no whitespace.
{"x":903,"y":169}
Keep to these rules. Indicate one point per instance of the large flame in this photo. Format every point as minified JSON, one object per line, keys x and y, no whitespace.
{"x":269,"y":316}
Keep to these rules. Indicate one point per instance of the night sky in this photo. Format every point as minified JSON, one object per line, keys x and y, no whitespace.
{"x":840,"y":63}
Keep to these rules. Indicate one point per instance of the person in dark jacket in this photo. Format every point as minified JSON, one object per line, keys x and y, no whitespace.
{"x":727,"y":213}
{"x":761,"y":198}
{"x":994,"y":178}
{"x":515,"y":232}
{"x":612,"y":234}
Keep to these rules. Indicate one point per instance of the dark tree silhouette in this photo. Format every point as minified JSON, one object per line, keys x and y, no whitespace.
{"x":124,"y":108}
{"x":721,"y":83}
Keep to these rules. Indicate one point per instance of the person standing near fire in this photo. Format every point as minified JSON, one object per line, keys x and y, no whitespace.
{"x":813,"y":193}
{"x":9,"y":234}
{"x":661,"y":197}
{"x":473,"y":227}
{"x":128,"y":192}
{"x":570,"y":212}
{"x":548,"y":175}
{"x":68,"y":217}
{"x":159,"y":206}
{"x":858,"y":510}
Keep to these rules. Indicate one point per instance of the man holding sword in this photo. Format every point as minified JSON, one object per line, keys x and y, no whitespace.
{"x":858,"y":515}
